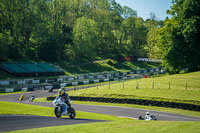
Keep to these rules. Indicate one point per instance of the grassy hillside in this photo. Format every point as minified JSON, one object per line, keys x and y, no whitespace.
{"x":4,"y":75}
{"x":108,"y":65}
{"x":183,"y":88}
{"x":96,"y":66}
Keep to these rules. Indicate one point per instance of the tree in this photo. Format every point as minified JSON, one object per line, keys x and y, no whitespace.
{"x":153,"y":37}
{"x":128,"y":12}
{"x":85,"y":34}
{"x":71,"y":31}
{"x":182,"y":38}
{"x":134,"y":37}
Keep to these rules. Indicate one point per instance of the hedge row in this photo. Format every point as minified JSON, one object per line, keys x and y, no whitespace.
{"x":137,"y":101}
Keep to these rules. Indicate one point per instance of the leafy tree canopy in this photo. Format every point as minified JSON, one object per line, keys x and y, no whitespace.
{"x":178,"y":42}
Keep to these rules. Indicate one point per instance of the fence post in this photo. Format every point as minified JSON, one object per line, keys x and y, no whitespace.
{"x":27,"y":83}
{"x":137,"y":85}
{"x":153,"y":85}
{"x":14,"y":84}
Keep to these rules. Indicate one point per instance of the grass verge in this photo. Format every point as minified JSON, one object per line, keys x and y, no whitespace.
{"x":27,"y":109}
{"x":108,"y":65}
{"x":117,"y":125}
{"x":122,"y":126}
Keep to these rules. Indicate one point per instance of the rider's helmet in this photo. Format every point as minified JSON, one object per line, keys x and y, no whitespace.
{"x":147,"y":113}
{"x":62,"y":87}
{"x":61,"y":91}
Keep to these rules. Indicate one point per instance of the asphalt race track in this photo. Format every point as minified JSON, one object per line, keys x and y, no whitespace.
{"x":19,"y":122}
{"x":134,"y":113}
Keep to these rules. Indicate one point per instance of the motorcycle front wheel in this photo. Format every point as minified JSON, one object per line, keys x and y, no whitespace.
{"x":57,"y":112}
{"x":72,"y":113}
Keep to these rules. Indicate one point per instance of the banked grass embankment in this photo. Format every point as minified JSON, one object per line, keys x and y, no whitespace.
{"x":179,"y":88}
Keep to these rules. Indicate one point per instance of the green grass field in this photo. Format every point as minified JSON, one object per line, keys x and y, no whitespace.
{"x":114,"y":124}
{"x":26,"y":109}
{"x":183,"y":88}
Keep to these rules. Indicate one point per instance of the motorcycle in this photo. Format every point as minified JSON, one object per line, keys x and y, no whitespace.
{"x":150,"y":118}
{"x":21,"y":97}
{"x":50,"y":90}
{"x":31,"y":98}
{"x":61,"y":108}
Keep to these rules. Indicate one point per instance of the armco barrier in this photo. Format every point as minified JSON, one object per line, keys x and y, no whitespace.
{"x":90,"y":76}
{"x":9,"y":90}
{"x":136,"y":101}
{"x":5,"y":85}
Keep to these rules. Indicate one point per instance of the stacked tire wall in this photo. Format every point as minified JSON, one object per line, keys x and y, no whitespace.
{"x":184,"y":106}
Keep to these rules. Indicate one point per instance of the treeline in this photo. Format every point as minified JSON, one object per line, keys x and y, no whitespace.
{"x":177,"y":43}
{"x":71,"y":31}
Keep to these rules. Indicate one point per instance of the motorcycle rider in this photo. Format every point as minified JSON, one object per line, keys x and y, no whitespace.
{"x":21,"y":97}
{"x":148,"y":116}
{"x":64,"y":96}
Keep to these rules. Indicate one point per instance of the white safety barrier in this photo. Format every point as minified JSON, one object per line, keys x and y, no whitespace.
{"x":9,"y":90}
{"x":24,"y":89}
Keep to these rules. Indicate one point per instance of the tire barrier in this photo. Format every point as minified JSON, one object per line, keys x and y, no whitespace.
{"x":184,"y":106}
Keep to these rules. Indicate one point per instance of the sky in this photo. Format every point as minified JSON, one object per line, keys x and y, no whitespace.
{"x":145,"y":7}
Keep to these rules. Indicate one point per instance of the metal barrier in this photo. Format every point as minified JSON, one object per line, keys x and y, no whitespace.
{"x":89,"y":78}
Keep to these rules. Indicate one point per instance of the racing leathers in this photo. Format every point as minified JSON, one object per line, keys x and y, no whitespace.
{"x":148,"y":117}
{"x":66,"y":99}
